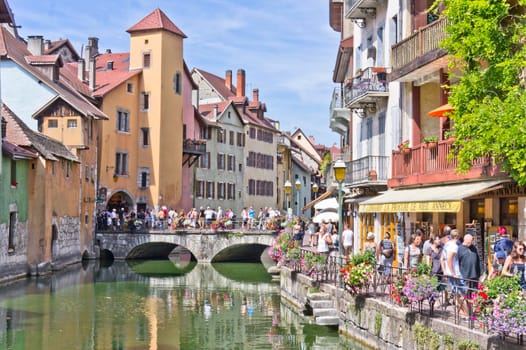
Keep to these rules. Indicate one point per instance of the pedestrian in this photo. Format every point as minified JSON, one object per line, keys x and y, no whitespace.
{"x":469,"y":264}
{"x":201,"y":218}
{"x":370,"y":245}
{"x":400,"y":249}
{"x":452,"y":271}
{"x":514,"y":265}
{"x":324,"y":240}
{"x":209,"y":216}
{"x":412,"y":253}
{"x":347,"y":241}
{"x":385,"y":253}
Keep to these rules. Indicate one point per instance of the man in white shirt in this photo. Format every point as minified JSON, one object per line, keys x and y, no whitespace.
{"x":348,"y":240}
{"x":452,"y":270}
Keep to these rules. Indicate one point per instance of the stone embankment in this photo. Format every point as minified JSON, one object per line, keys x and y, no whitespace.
{"x":375,"y":322}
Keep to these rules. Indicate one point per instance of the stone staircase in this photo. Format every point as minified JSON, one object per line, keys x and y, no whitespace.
{"x":320,"y":307}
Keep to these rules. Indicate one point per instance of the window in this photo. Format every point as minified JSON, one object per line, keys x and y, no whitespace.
{"x":129,"y":88}
{"x":240,"y":139}
{"x":68,"y":168}
{"x":121,"y":163}
{"x":210,"y":190}
{"x":145,"y":101}
{"x":12,"y":232}
{"x":220,"y":190}
{"x":123,"y":121}
{"x":206,"y":133}
{"x":145,"y":133}
{"x":199,"y":189}
{"x":52,"y":123}
{"x":13,"y":173}
{"x":144,"y":178}
{"x":231,"y":164}
{"x":252,"y":133}
{"x":231,"y":191}
{"x":86,"y":173}
{"x":251,"y":187}
{"x":231,"y":141}
{"x":72,"y":123}
{"x":177,"y":83}
{"x":90,"y":130}
{"x":146,"y":60}
{"x":220,"y":135}
{"x":204,"y":161}
{"x":220,"y":161}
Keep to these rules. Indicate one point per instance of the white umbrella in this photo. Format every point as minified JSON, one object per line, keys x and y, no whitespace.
{"x":327,"y":215}
{"x":329,"y":203}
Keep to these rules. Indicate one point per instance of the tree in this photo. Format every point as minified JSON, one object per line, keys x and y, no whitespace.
{"x":488,"y":73}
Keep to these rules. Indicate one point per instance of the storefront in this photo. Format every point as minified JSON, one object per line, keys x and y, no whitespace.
{"x":431,"y":208}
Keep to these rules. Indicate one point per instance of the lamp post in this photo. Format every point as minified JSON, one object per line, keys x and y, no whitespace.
{"x":339,"y":173}
{"x":315,"y":189}
{"x":288,"y":190}
{"x":297,"y":184}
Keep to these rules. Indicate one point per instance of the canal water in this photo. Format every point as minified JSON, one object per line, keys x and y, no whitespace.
{"x":155,"y":305}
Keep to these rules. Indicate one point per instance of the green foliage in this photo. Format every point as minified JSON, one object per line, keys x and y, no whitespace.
{"x":377,"y":324}
{"x":325,"y":164}
{"x":448,"y":341}
{"x":425,"y":336}
{"x":468,"y":345}
{"x":486,"y":42}
{"x":501,"y":285}
{"x":429,"y":139}
{"x":423,"y":269}
{"x":311,"y":260}
{"x":367,"y":257}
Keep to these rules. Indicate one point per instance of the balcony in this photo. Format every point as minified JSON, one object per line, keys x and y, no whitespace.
{"x":426,"y":164}
{"x":419,"y":55}
{"x":368,"y":170}
{"x":359,"y":9}
{"x":340,"y":116}
{"x":366,"y":88}
{"x":192,"y":150}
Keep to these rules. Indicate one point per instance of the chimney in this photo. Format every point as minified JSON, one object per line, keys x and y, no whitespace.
{"x":47,"y":45}
{"x":35,"y":44}
{"x":108,"y":50}
{"x":216,"y":110}
{"x":240,"y":83}
{"x":228,"y":79}
{"x":109,"y":65}
{"x":81,"y":68}
{"x":87,"y":53}
{"x":255,"y":95}
{"x":92,"y":74}
{"x":94,"y":43}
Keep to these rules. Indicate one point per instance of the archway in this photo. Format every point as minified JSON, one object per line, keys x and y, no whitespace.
{"x":54,"y":239}
{"x":120,"y":200}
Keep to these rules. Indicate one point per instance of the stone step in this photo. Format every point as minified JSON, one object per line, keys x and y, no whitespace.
{"x":327,"y":321}
{"x":321,"y":304}
{"x":318,"y":296}
{"x":325,"y":312}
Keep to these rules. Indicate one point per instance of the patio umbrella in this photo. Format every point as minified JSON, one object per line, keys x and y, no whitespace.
{"x":440,"y":111}
{"x":329,"y":203}
{"x":327,"y":215}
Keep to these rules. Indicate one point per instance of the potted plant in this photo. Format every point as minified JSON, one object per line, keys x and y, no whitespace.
{"x":404,"y":147}
{"x":431,"y":141}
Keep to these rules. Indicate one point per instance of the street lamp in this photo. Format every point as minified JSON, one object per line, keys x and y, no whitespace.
{"x":315,"y":189}
{"x":339,"y":173}
{"x":288,"y":190}
{"x":298,"y":187}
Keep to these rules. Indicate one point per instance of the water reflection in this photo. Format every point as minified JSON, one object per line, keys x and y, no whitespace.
{"x":154,"y":305}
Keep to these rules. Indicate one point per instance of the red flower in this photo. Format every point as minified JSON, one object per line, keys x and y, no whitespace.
{"x":14,"y":183}
{"x":483,"y":295}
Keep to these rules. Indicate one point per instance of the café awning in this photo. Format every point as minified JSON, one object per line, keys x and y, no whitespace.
{"x":445,"y":198}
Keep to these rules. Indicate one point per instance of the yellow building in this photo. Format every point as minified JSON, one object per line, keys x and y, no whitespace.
{"x":141,"y":91}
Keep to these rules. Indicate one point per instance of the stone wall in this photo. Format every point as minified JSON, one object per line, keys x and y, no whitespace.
{"x":68,"y":241}
{"x":379,"y":324}
{"x":13,"y":262}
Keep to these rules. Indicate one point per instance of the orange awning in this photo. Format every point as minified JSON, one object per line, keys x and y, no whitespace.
{"x":440,"y":111}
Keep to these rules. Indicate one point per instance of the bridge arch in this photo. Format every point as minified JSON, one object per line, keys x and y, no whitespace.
{"x":205,"y":247}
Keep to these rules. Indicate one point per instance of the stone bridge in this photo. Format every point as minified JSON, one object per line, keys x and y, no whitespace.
{"x":204,"y":246}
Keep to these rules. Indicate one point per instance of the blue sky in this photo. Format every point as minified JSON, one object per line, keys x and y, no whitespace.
{"x":286,"y":47}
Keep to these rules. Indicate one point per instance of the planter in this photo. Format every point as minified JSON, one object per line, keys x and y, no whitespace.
{"x":432,"y":145}
{"x":406,"y":150}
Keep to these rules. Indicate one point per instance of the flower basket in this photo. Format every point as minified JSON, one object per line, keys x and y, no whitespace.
{"x":432,"y":145}
{"x":406,"y":150}
{"x":420,"y":288}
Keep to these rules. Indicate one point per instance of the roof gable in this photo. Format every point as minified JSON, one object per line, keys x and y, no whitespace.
{"x":156,"y":20}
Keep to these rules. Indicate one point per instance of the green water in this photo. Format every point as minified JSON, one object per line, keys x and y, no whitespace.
{"x":155,"y":305}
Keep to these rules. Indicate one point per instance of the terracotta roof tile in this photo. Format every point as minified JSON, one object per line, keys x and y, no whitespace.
{"x":156,"y":20}
{"x":43,"y":59}
{"x":218,"y":83}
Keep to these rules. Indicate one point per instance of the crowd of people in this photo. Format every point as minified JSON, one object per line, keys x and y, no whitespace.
{"x":118,"y":219}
